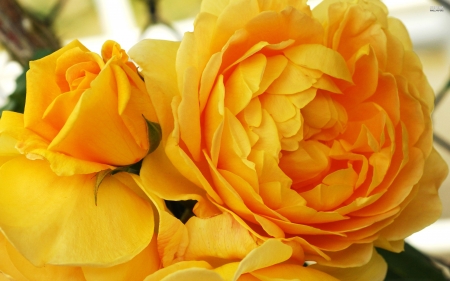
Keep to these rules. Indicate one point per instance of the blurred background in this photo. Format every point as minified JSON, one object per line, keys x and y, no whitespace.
{"x":128,"y":21}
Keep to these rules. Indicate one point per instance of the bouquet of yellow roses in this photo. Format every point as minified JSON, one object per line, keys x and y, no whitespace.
{"x":274,"y":142}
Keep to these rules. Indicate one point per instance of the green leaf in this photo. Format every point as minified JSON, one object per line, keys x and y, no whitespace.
{"x":154,"y":135}
{"x":410,"y":265}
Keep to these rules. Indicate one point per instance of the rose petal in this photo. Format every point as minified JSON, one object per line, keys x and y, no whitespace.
{"x":425,"y":208}
{"x":147,"y":54}
{"x":44,"y":70}
{"x":139,"y":267}
{"x":121,"y":218}
{"x":218,"y":237}
{"x":374,"y":270}
{"x":19,"y":268}
{"x":185,"y":269}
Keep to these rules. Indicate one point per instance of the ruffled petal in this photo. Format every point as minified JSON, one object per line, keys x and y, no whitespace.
{"x":425,"y":208}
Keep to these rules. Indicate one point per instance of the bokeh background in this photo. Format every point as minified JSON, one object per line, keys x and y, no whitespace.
{"x":129,"y":21}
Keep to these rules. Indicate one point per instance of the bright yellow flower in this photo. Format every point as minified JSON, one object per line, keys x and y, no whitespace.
{"x":84,"y":114}
{"x":309,"y":126}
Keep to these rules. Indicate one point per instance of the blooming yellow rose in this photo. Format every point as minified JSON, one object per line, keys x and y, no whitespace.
{"x":86,"y":111}
{"x":309,"y":126}
{"x":84,"y":114}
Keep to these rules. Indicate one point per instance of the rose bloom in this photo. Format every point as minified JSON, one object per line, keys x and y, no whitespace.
{"x":86,"y":107}
{"x":84,"y":114}
{"x":309,"y":126}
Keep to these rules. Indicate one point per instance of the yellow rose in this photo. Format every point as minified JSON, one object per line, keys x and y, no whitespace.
{"x":86,"y":110}
{"x":309,"y":126}
{"x":83,"y":114}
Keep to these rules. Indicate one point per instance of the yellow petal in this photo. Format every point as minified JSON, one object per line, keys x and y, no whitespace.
{"x":172,"y":233}
{"x":426,"y":206}
{"x":61,"y":107}
{"x":159,"y":80}
{"x":356,"y":27}
{"x":8,"y":149}
{"x":279,"y":107}
{"x":387,"y":96}
{"x":58,"y":216}
{"x":173,"y":238}
{"x":398,"y":28}
{"x":364,"y":68}
{"x":189,"y":113}
{"x":4,"y":277}
{"x":354,"y":256}
{"x":232,"y":18}
{"x":218,"y":237}
{"x":291,"y":81}
{"x":374,"y":270}
{"x":35,"y":147}
{"x":139,"y":267}
{"x":138,"y":106}
{"x":243,"y":82}
{"x":308,"y":162}
{"x":331,"y":62}
{"x":11,"y":124}
{"x":187,"y":167}
{"x":20,"y":269}
{"x":285,"y":24}
{"x":159,"y":176}
{"x":214,"y":117}
{"x":291,"y":272}
{"x":270,"y":253}
{"x":227,"y":271}
{"x":274,"y":68}
{"x":267,"y":132}
{"x":193,"y":274}
{"x":37,"y":103}
{"x":173,"y":271}
{"x":9,"y":133}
